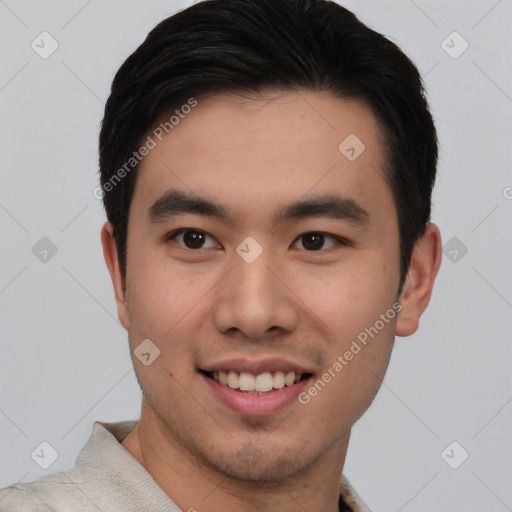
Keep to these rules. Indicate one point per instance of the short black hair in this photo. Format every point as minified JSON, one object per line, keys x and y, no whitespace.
{"x":218,"y":46}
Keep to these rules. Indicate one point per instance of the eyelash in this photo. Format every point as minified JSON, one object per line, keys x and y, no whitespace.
{"x":340,"y":241}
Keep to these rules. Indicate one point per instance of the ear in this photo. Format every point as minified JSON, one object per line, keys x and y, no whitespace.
{"x":417,"y":289}
{"x":110,"y":254}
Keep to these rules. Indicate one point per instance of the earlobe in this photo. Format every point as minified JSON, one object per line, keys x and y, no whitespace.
{"x":111,"y":259}
{"x":417,"y":289}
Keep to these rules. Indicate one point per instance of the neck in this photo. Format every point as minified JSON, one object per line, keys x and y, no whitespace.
{"x":195,"y":487}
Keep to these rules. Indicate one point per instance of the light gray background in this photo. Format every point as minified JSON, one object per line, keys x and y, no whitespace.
{"x":64,"y":358}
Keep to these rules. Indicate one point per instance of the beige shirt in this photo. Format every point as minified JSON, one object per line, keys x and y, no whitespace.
{"x":106,"y":478}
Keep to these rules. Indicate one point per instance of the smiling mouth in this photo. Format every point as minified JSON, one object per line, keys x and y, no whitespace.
{"x":263,"y":383}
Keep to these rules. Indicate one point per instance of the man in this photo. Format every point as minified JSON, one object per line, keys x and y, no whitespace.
{"x":266,"y":169}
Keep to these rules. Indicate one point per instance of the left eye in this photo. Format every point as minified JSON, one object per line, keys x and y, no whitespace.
{"x":314,"y":241}
{"x":191,"y":238}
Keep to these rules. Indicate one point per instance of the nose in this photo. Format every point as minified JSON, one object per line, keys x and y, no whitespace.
{"x":255,"y":299}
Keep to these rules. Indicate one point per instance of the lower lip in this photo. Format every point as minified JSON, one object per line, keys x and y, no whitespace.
{"x":257,"y":405}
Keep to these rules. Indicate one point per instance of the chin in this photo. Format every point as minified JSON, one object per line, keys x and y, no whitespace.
{"x":261,"y":466}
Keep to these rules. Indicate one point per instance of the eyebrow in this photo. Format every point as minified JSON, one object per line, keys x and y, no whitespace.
{"x":332,"y":206}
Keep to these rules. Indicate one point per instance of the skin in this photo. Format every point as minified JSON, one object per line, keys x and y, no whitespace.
{"x":255,"y":154}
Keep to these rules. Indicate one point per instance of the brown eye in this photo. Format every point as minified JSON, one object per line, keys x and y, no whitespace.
{"x":191,"y":239}
{"x":315,"y":241}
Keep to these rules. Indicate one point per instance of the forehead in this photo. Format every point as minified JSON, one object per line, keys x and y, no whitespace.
{"x":253,"y":150}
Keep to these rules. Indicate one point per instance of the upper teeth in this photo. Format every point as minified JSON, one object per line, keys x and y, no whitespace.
{"x":262,"y":382}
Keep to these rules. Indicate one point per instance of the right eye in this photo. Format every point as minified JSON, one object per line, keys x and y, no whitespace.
{"x":190,"y":238}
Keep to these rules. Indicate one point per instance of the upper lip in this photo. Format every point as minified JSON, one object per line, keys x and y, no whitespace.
{"x":256,"y":367}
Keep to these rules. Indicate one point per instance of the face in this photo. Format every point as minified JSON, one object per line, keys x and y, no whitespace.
{"x":262,"y":252}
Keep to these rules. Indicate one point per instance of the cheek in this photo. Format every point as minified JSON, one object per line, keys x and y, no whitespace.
{"x":368,"y":366}
{"x":158,"y":308}
{"x":351,"y":299}
{"x":358,"y":308}
{"x":154,"y":294}
{"x":164,"y":298}
{"x":359,"y":362}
